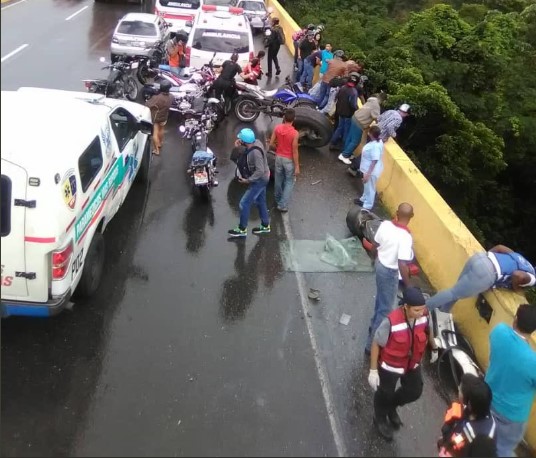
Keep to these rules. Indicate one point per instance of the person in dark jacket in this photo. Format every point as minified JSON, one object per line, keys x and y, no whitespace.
{"x":274,"y":43}
{"x":346,"y":106}
{"x":252,"y":171}
{"x":225,"y":82}
{"x":159,"y":105}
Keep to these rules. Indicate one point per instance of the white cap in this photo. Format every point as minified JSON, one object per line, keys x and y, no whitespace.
{"x":404,"y":107}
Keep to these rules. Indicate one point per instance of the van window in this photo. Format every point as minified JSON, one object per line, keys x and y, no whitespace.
{"x":5,"y":216}
{"x":90,"y":163}
{"x":221,"y":41}
{"x":145,"y":29}
{"x":124,"y":126}
{"x":186,"y":4}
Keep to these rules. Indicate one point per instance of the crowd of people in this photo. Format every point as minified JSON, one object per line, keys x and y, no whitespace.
{"x":491,"y":415}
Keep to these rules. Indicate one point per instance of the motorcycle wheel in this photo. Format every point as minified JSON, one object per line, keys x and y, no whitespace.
{"x":246,"y":109}
{"x":353,"y":221}
{"x":314,"y":128}
{"x":130,"y":88}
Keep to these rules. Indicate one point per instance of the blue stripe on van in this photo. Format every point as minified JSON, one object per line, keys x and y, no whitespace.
{"x":25,"y":310}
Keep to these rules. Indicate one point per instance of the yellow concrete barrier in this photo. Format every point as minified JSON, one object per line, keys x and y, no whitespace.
{"x":442,"y":242}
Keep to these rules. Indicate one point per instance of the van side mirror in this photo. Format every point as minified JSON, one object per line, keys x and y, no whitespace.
{"x":145,"y":127}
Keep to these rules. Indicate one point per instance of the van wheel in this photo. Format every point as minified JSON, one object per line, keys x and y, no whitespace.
{"x":93,"y":267}
{"x":143,"y":173}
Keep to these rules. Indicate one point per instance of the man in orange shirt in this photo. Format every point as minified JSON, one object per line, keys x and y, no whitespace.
{"x":285,"y":142}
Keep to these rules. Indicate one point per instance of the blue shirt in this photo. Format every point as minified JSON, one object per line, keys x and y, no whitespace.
{"x":511,"y":374}
{"x":373,"y":151}
{"x":326,"y":55}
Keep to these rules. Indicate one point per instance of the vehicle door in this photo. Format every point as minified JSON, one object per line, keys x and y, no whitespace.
{"x":129,"y":141}
{"x":13,"y":222}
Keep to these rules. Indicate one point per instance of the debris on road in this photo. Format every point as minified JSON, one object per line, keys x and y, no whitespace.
{"x":314,"y":294}
{"x":345,"y":319}
{"x":316,"y":182}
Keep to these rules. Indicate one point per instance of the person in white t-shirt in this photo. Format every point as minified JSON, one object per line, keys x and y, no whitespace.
{"x":394,"y":249}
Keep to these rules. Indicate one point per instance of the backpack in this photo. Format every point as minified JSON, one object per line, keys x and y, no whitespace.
{"x":281,"y":36}
{"x":242,"y":166}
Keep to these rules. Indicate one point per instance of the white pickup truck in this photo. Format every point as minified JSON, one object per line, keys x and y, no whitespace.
{"x":65,"y":174}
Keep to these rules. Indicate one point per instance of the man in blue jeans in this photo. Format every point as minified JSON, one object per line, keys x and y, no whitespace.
{"x":252,"y":171}
{"x":346,"y":105}
{"x":500,"y":267}
{"x":394,"y":249}
{"x":511,"y":376}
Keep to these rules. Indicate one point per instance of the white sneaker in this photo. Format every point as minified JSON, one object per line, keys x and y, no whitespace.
{"x":344,"y":159}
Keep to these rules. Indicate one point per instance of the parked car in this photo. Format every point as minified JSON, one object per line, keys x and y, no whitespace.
{"x":256,"y":12}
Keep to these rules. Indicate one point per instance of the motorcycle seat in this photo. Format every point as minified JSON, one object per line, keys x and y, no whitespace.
{"x":202,"y":156}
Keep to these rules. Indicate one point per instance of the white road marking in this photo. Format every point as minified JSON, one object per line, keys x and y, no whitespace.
{"x":322,"y":372}
{"x":15,"y":51}
{"x":78,"y":12}
{"x":13,"y":4}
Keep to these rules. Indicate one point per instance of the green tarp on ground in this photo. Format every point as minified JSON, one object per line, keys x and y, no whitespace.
{"x":330,"y":255}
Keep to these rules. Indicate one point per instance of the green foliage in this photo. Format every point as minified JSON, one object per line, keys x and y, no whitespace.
{"x":467,"y":69}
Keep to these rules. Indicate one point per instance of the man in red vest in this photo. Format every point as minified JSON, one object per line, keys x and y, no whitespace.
{"x":397,"y":350}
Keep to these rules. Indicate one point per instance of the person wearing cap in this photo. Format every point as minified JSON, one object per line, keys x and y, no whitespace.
{"x":252,"y":171}
{"x":397,"y":351}
{"x":345,"y":107}
{"x":336,"y":67}
{"x":390,"y":120}
{"x":500,"y":267}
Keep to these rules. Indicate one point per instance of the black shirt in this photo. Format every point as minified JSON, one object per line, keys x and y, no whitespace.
{"x":306,"y":48}
{"x":312,"y":58}
{"x":229,"y":70}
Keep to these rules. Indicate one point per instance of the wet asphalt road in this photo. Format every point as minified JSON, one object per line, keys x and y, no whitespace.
{"x":193,"y":345}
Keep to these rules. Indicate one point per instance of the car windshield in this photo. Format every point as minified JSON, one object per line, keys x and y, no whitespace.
{"x":145,"y":29}
{"x":252,"y":6}
{"x":186,"y":4}
{"x":220,"y":41}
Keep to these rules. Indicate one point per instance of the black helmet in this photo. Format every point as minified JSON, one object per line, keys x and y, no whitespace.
{"x":339,"y":53}
{"x":165,"y":86}
{"x":354,"y":77}
{"x":234,"y":57}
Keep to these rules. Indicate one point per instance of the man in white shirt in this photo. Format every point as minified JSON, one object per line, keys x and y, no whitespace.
{"x":394,"y":248}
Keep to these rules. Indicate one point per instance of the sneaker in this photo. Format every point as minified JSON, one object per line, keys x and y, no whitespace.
{"x":344,"y":159}
{"x":278,"y":72}
{"x":261,"y":229}
{"x":395,"y":420}
{"x":384,"y":428}
{"x":237,"y":232}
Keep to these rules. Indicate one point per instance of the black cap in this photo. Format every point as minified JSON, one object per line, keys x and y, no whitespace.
{"x":413,"y":297}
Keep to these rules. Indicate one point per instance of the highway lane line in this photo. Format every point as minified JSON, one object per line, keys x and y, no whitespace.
{"x":322,"y":372}
{"x":75,"y":14}
{"x":13,"y":4}
{"x":15,"y":51}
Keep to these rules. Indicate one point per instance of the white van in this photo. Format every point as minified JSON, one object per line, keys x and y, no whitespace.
{"x":64,"y":177}
{"x":177,"y":12}
{"x":220,"y":30}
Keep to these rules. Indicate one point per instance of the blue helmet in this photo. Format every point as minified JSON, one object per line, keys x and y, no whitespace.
{"x":246,"y":135}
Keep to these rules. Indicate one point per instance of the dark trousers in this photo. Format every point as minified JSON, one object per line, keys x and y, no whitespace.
{"x":387,"y":398}
{"x":272,"y":56}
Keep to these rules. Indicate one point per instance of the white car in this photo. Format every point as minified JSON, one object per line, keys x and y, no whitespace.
{"x":60,"y":189}
{"x":256,"y":12}
{"x":220,"y":30}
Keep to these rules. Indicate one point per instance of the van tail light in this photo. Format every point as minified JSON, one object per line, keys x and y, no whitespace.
{"x":187,"y":54}
{"x":60,"y":262}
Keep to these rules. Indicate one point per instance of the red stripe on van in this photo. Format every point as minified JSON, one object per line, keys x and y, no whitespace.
{"x":85,"y":203}
{"x":182,"y":17}
{"x":96,"y":184}
{"x":40,"y":239}
{"x":70,"y":225}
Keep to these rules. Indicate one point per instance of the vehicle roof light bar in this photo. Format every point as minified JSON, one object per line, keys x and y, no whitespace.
{"x":230,"y":9}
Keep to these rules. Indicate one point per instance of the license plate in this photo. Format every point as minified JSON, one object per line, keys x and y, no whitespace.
{"x":200,"y":178}
{"x":137,"y":44}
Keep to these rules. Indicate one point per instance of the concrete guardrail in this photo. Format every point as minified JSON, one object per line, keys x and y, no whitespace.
{"x":442,"y":241}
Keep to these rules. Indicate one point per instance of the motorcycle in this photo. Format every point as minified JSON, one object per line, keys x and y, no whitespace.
{"x":119,"y":83}
{"x":202,"y":169}
{"x":255,"y":100}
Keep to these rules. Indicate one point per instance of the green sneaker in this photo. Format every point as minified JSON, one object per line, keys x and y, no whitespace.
{"x":237,"y":232}
{"x":261,"y":229}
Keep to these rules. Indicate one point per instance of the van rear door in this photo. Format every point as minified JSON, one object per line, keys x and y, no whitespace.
{"x":13,"y":219}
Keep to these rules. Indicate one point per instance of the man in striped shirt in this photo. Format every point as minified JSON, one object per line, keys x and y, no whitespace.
{"x":390,"y":121}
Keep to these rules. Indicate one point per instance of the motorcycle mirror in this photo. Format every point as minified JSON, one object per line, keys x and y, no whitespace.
{"x":182,"y":129}
{"x":102,"y":59}
{"x":270,"y":10}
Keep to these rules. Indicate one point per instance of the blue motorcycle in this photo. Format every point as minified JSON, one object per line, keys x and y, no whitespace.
{"x":253,"y":101}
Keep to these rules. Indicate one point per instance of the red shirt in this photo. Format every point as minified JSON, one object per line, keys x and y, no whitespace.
{"x":285,"y":134}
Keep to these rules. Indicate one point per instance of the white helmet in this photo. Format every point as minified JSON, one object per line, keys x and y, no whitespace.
{"x":404,"y":107}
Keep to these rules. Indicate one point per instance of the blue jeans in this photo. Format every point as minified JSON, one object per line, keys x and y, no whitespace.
{"x":307,"y":74}
{"x":284,"y":181}
{"x":300,"y":69}
{"x":341,"y":132}
{"x":323,"y":95}
{"x":352,"y":139}
{"x":386,"y":290}
{"x":478,"y":275}
{"x":369,"y":192}
{"x":255,"y":194}
{"x":509,"y":434}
